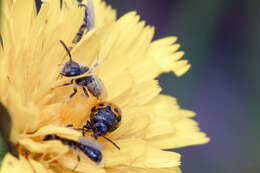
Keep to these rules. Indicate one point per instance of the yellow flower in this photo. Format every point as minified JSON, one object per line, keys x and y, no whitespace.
{"x":30,"y":62}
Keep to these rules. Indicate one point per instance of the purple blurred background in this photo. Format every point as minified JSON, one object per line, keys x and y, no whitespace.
{"x":221,"y":39}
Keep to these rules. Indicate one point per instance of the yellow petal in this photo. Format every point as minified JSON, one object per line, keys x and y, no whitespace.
{"x":137,"y":153}
{"x":22,"y":19}
{"x":85,"y":164}
{"x":133,"y":125}
{"x":171,"y":126}
{"x":164,"y":107}
{"x":164,"y":54}
{"x":11,"y":164}
{"x":120,"y":169}
{"x":139,"y":94}
{"x":38,"y":167}
{"x":47,"y":147}
{"x":118,"y":84}
{"x":168,"y":134}
{"x":24,"y":117}
{"x":159,"y":128}
{"x":103,"y":13}
{"x":178,"y":139}
{"x":144,"y":92}
{"x":64,"y":132}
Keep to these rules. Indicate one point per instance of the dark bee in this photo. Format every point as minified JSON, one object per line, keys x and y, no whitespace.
{"x":90,"y":81}
{"x":105,"y":117}
{"x":88,"y":21}
{"x":89,"y":147}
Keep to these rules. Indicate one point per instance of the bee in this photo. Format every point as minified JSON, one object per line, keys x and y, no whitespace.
{"x":88,"y":21}
{"x":105,"y":117}
{"x":90,"y":81}
{"x":90,"y":148}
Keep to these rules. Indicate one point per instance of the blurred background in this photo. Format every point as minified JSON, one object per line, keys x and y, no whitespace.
{"x":221,"y":40}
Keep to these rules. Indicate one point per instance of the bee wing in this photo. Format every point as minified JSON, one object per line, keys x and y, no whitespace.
{"x":94,"y":66}
{"x":90,"y":142}
{"x":101,"y":87}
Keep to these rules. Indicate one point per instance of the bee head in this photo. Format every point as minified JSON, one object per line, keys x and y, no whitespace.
{"x":72,"y":68}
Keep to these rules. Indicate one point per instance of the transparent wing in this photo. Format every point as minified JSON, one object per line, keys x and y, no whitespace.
{"x":91,"y":142}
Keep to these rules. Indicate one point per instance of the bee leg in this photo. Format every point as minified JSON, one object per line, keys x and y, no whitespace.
{"x":71,"y":125}
{"x":85,"y":92}
{"x":86,"y":128}
{"x":78,"y":158}
{"x":83,"y":131}
{"x":72,"y":95}
{"x":80,"y":4}
{"x":65,"y":84}
{"x":93,"y":67}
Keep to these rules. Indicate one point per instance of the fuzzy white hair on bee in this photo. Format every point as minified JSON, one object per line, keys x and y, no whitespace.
{"x":90,"y":142}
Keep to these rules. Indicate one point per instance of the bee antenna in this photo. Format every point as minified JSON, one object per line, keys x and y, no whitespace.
{"x":66,"y":48}
{"x":111,"y":142}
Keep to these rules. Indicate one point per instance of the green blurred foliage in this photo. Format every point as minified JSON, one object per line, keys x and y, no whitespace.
{"x":3,"y":145}
{"x":4,"y":131}
{"x":252,"y":61}
{"x":3,"y":148}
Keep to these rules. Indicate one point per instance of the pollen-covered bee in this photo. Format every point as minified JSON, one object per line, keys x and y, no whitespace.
{"x":89,"y":147}
{"x":89,"y":83}
{"x":105,"y":117}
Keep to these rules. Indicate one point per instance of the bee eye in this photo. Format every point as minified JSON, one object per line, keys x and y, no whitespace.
{"x":101,"y":104}
{"x":118,"y":118}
